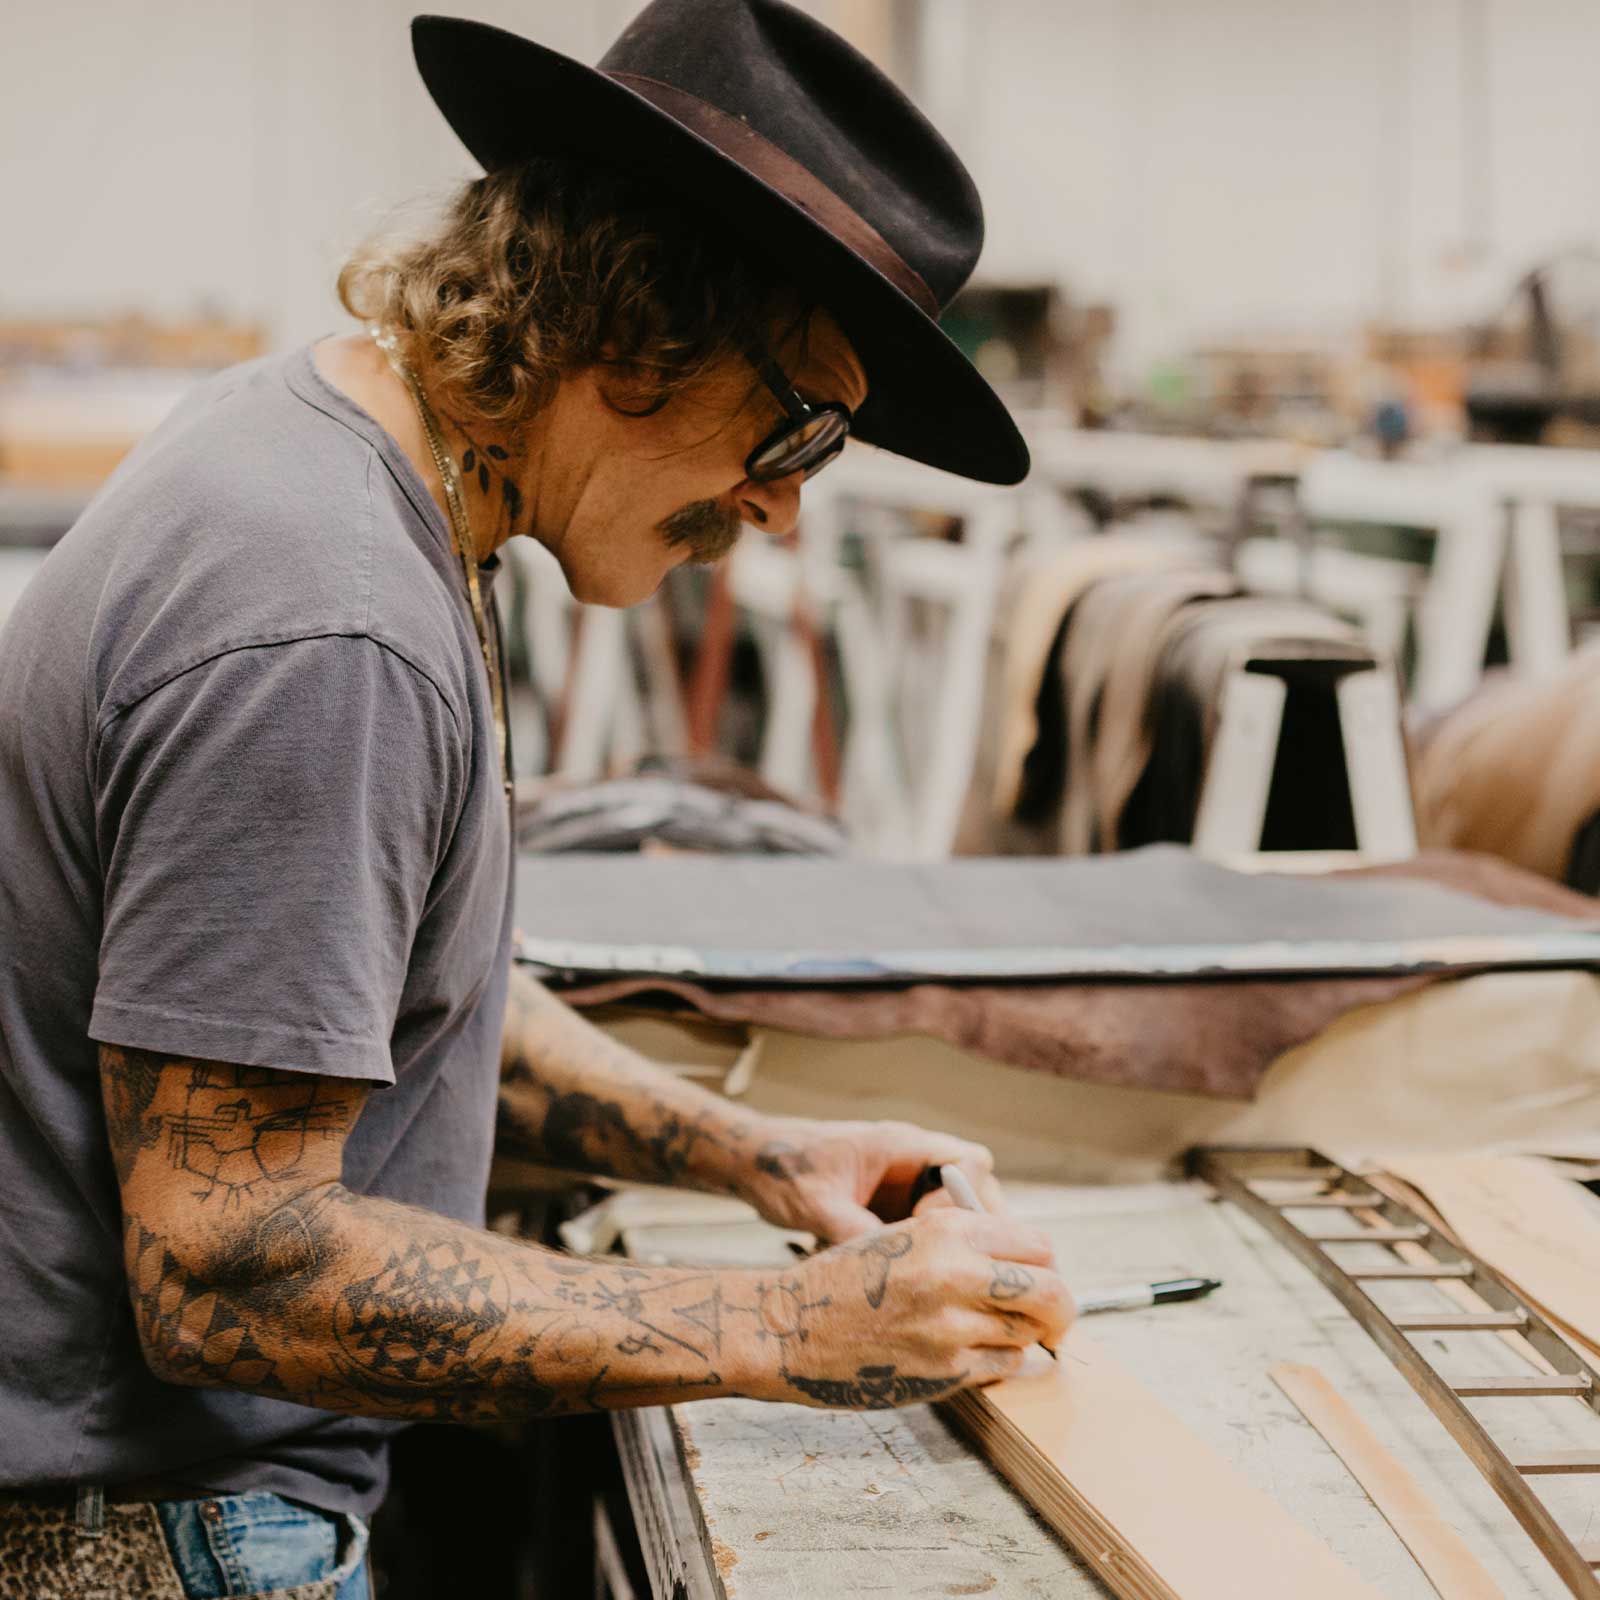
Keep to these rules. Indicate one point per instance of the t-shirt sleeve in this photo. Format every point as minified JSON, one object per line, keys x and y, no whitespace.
{"x":270,"y":824}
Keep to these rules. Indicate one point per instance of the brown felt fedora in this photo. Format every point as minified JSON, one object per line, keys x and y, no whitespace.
{"x":778,"y":130}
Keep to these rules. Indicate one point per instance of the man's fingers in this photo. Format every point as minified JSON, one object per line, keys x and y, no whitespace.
{"x":990,"y":1192}
{"x":1034,"y":1293}
{"x":1006,"y":1330}
{"x":1006,"y":1240}
{"x":990,"y":1364}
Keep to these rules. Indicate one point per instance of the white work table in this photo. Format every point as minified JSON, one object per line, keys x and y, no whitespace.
{"x":739,"y":1500}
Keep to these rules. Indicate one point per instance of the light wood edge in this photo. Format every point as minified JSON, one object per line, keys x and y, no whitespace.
{"x":1219,"y":1569}
{"x":1097,"y":1543}
{"x":1452,"y":1569}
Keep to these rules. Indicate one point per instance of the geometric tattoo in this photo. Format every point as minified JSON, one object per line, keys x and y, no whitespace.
{"x":202,"y":1337}
{"x":220,"y":1140}
{"x":434,"y":1310}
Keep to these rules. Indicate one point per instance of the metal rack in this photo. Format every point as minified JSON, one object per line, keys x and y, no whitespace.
{"x":1419,"y":1252}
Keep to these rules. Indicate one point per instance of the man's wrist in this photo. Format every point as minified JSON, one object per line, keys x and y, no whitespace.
{"x":751,"y":1356}
{"x":758,"y":1152}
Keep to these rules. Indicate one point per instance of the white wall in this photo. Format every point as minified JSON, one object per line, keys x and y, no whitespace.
{"x":176,"y":153}
{"x":1207,"y":165}
{"x":1212,"y":166}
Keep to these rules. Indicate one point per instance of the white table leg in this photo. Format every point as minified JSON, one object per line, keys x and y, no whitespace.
{"x":1457,"y":607}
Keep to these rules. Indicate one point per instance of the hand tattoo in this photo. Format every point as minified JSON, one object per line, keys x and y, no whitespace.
{"x":1010,"y":1281}
{"x":879,"y":1252}
{"x":781,"y":1160}
{"x":874,"y":1388}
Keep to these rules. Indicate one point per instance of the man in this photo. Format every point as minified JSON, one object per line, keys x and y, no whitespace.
{"x":254,"y":898}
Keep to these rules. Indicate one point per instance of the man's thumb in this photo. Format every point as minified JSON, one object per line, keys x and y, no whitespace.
{"x":838,"y":1220}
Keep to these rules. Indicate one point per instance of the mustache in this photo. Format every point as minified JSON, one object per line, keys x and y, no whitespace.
{"x":709,"y":530}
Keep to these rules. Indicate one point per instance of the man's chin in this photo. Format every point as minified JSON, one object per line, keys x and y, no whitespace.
{"x":616,"y":589}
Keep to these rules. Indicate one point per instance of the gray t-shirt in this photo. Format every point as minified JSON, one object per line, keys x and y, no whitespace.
{"x":250,"y":810}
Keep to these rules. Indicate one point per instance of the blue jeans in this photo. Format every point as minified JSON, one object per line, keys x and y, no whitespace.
{"x":250,"y":1544}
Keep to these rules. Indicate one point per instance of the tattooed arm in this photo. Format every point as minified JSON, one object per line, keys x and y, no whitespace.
{"x":571,"y":1097}
{"x":250,"y":1266}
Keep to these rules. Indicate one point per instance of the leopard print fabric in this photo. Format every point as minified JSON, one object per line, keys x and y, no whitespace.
{"x":44,"y":1557}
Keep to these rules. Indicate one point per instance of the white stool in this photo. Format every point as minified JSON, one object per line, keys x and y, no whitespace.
{"x":1244,"y":754}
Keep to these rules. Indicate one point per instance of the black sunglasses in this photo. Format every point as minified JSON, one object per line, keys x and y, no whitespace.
{"x":807,"y":439}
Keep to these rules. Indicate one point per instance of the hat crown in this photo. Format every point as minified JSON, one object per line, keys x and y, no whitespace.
{"x":824,"y":104}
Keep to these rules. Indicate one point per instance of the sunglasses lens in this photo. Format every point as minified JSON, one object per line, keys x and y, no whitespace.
{"x":803,"y":449}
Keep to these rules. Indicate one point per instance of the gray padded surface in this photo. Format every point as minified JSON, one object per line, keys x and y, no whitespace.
{"x":1159,"y":912}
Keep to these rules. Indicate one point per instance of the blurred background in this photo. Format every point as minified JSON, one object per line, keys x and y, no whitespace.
{"x":1298,"y":302}
{"x":1303,"y":300}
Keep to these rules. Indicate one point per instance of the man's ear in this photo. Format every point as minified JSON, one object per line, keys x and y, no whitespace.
{"x":627,"y":388}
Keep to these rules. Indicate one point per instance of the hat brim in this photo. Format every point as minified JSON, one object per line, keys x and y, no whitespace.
{"x":509,"y":99}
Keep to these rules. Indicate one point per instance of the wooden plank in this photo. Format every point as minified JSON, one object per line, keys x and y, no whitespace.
{"x":1152,"y":1509}
{"x":1522,"y":1387}
{"x":1266,"y":1173}
{"x":672,"y":1532}
{"x":1347,"y":1202}
{"x":1438,"y":1269}
{"x":1457,"y":1321}
{"x":1380,"y":1235}
{"x":1557,"y":1461}
{"x":1439,"y":1550}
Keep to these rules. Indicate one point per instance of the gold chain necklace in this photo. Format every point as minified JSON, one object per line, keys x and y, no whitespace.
{"x":461,"y":532}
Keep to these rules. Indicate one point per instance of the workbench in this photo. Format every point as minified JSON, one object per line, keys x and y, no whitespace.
{"x":740,"y":1500}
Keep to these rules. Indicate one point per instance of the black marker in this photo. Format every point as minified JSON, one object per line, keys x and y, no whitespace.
{"x":1135,"y":1295}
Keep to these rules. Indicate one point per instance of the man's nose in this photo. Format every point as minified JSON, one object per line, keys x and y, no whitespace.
{"x":773,"y":506}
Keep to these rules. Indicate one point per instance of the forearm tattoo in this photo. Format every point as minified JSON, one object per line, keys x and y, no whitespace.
{"x":572,"y":1098}
{"x":251,"y":1267}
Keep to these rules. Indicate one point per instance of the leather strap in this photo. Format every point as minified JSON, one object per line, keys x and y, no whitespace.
{"x":779,"y":170}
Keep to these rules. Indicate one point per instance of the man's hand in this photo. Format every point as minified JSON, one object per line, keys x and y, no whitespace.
{"x":840,"y":1179}
{"x":571,"y":1097}
{"x":907,"y":1313}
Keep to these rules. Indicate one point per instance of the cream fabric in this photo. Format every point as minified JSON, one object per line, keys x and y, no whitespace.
{"x":1515,"y":770}
{"x":1506,"y":1062}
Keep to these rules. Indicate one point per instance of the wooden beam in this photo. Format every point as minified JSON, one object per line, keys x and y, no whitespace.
{"x":1458,"y":1321}
{"x":1381,"y":1235}
{"x":1557,"y":1461}
{"x":1437,"y":1269}
{"x":1438,"y":1549}
{"x":1522,"y":1386}
{"x":1151,"y":1508}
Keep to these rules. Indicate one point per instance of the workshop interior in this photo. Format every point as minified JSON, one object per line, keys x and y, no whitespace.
{"x":1121,"y":738}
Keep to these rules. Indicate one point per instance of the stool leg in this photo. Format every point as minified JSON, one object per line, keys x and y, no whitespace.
{"x":1233,"y":798}
{"x":1375,"y":761}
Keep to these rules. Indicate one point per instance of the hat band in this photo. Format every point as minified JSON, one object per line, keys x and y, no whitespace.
{"x":779,"y":170}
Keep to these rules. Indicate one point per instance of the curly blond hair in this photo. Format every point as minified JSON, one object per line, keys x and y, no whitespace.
{"x":557,"y":265}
